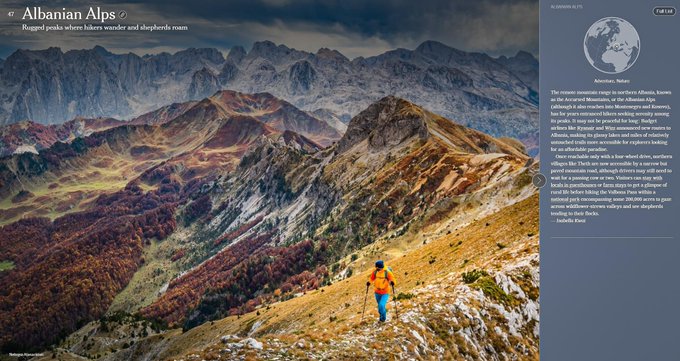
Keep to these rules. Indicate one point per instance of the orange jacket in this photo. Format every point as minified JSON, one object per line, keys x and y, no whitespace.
{"x":381,"y":279}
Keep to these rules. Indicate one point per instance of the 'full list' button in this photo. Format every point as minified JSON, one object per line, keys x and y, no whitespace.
{"x":664,"y":11}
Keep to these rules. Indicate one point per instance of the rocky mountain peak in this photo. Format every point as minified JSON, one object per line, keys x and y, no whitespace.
{"x":267,"y":48}
{"x":526,"y":56}
{"x":522,"y":59}
{"x":524,"y":65}
{"x":276,"y":54}
{"x":203,"y":83}
{"x":211,"y":54}
{"x":301,"y":76}
{"x":446,"y":55}
{"x":481,"y":92}
{"x":432,"y":45}
{"x":387,"y":122}
{"x":330,"y":54}
{"x":236,"y":54}
{"x":48,"y":54}
{"x":435,"y":47}
{"x":229,"y":70}
{"x":98,"y":49}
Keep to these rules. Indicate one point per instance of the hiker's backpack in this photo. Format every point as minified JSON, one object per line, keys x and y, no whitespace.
{"x":382,"y":281}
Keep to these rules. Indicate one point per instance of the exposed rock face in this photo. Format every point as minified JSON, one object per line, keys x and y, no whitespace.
{"x":477,"y":90}
{"x":301,"y":76}
{"x":415,"y":161}
{"x":440,"y":77}
{"x":278,"y":114}
{"x":50,"y":86}
{"x":497,"y":96}
{"x":245,"y":188}
{"x":524,"y":65}
{"x":236,"y":54}
{"x":203,"y":84}
{"x":229,"y":71}
{"x":275,"y":54}
{"x":385,"y":123}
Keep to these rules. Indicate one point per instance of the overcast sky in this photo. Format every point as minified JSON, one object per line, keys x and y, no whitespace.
{"x":354,"y":27}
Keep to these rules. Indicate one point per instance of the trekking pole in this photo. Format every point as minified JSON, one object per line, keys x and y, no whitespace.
{"x":364,"y":311}
{"x":396,"y":310}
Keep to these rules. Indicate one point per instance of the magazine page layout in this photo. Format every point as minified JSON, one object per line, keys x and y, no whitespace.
{"x":609,"y":215}
{"x":338,"y":180}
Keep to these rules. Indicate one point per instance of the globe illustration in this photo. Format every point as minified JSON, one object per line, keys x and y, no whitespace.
{"x":612,"y":45}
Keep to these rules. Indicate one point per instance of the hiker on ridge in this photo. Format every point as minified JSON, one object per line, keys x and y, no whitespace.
{"x":382,"y":278}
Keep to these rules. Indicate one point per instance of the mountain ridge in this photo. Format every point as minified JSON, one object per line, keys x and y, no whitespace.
{"x":497,"y":96}
{"x":231,"y":208}
{"x":353,"y":178}
{"x":173,"y":136}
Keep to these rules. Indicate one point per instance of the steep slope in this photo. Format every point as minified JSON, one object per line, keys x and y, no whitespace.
{"x":392,"y":120}
{"x":78,"y":264}
{"x":524,"y":65}
{"x":398,"y":166}
{"x":477,"y":90}
{"x":471,"y":294}
{"x":444,"y":313}
{"x":28,"y":136}
{"x":278,"y":114}
{"x":163,"y":114}
{"x":497,"y":96}
{"x":50,"y":86}
{"x":218,"y":211}
{"x":108,"y":195}
{"x":66,"y":176}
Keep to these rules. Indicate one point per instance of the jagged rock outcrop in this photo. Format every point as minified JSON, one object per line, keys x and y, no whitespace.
{"x":275,"y":54}
{"x":496,"y":95}
{"x":385,"y":123}
{"x":236,"y":54}
{"x":258,"y":205}
{"x":441,"y":77}
{"x":301,"y":76}
{"x":524,"y":65}
{"x":51,"y":86}
{"x":203,"y":84}
{"x":229,"y":71}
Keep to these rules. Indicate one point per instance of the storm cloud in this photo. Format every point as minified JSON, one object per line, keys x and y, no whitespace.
{"x":354,"y":27}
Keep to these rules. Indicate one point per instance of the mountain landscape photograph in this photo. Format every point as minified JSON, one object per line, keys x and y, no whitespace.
{"x":224,"y":194}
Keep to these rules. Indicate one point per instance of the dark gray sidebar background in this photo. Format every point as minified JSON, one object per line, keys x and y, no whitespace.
{"x":610,"y":298}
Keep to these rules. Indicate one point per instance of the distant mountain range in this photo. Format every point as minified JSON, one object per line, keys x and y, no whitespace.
{"x":144,"y":199}
{"x":237,"y":193}
{"x":496,"y":95}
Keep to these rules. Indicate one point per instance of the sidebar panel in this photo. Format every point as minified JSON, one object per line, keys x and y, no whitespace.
{"x":610,"y":246}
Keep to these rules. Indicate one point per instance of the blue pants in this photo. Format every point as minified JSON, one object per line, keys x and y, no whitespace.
{"x":382,"y":305}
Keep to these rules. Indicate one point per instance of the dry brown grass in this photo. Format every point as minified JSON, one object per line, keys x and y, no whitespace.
{"x":290,"y":320}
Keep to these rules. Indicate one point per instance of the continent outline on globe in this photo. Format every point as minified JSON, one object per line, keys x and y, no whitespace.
{"x":611,"y":45}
